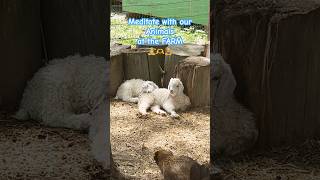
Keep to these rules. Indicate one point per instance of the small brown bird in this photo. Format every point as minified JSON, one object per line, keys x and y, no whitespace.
{"x":180,"y":167}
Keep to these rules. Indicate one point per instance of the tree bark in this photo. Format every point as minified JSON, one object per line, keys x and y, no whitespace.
{"x":179,"y":53}
{"x":116,"y":68}
{"x":194,"y":72}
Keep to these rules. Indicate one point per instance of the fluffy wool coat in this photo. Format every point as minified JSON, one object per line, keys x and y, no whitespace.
{"x":234,"y":126}
{"x":71,"y":93}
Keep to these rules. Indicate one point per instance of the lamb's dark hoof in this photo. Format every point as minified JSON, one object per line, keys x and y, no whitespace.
{"x":175,"y":116}
{"x":163,"y":114}
{"x":142,"y":116}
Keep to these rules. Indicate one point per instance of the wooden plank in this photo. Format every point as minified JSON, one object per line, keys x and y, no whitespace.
{"x":75,"y":26}
{"x":116,"y":68}
{"x":155,"y":62}
{"x":20,"y":46}
{"x":138,"y":64}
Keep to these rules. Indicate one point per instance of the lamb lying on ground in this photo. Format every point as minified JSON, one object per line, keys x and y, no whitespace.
{"x":171,"y":99}
{"x":130,"y":90}
{"x":234,"y":127}
{"x":70,"y":93}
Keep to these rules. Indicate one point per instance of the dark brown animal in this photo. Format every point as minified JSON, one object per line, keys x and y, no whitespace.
{"x":180,"y":167}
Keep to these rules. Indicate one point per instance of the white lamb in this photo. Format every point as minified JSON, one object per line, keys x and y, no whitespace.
{"x":171,"y":99}
{"x":130,"y":90}
{"x":71,"y":93}
{"x":234,"y":126}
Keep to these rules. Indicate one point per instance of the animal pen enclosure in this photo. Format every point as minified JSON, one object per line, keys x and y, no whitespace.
{"x":30,"y":32}
{"x":135,"y":138}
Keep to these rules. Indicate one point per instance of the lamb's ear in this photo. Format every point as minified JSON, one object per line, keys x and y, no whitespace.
{"x":181,"y":86}
{"x":155,"y":86}
{"x":169,"y":83}
{"x":226,"y":87}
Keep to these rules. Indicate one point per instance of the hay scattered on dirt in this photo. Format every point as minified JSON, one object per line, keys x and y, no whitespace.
{"x":134,"y":139}
{"x":31,"y":151}
{"x":288,"y":163}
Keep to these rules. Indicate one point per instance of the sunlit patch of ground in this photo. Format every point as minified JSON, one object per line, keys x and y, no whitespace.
{"x":134,"y":139}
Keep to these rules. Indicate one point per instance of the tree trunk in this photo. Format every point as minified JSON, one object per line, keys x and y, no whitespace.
{"x":116,"y":68}
{"x":179,"y":53}
{"x":20,"y":44}
{"x":194,"y":72}
{"x":75,"y":26}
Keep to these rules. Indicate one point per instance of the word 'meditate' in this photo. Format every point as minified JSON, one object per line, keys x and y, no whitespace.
{"x":157,"y":22}
{"x":143,"y":21}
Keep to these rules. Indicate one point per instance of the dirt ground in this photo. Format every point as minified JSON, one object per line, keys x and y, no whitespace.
{"x":31,"y":151}
{"x":134,"y":139}
{"x":300,"y":162}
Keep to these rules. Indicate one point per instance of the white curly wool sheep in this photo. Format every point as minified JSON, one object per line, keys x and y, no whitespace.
{"x":234,"y":127}
{"x":171,"y":99}
{"x":72,"y":93}
{"x":62,"y":93}
{"x":130,"y":90}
